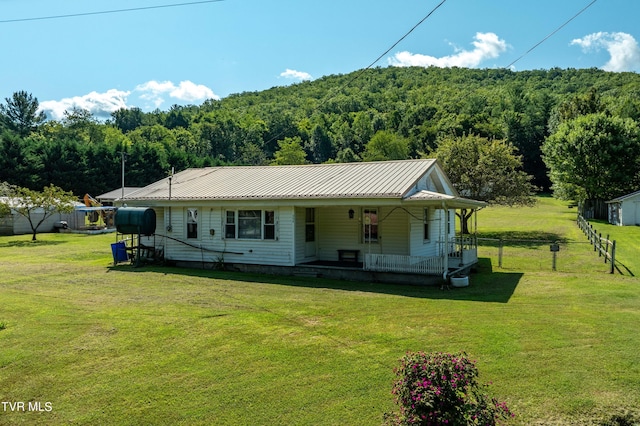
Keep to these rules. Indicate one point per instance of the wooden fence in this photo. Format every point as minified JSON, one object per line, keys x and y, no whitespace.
{"x":604,"y":246}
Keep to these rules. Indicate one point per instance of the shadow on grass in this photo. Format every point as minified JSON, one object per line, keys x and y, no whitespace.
{"x":29,"y":243}
{"x":519,"y":238}
{"x":485,"y":285}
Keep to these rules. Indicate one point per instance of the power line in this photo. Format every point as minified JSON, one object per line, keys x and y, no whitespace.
{"x":105,"y":12}
{"x":394,"y":45}
{"x":359,"y":74}
{"x":407,"y":34}
{"x":550,"y":35}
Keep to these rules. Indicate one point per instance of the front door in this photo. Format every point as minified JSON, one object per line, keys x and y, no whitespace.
{"x":310,"y":233}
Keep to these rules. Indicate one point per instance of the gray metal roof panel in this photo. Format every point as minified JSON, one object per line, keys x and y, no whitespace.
{"x":340,"y":180}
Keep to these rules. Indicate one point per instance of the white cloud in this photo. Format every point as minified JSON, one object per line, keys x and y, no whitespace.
{"x":622,"y":47}
{"x":187,"y":91}
{"x":296,"y":75}
{"x":486,"y":46}
{"x":99,"y":104}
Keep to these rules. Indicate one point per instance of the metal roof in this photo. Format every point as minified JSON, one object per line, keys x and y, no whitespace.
{"x":624,"y":197}
{"x":117,"y":193}
{"x":384,"y":179}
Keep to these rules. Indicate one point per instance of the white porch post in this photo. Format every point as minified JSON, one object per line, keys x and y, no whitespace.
{"x":445,"y":255}
{"x":460,"y":243}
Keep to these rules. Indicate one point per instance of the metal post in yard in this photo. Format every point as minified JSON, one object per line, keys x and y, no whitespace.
{"x":554,"y":248}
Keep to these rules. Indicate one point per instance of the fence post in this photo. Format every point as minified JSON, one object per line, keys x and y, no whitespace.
{"x":613,"y":256}
{"x":606,"y":250}
{"x":600,"y":244}
{"x":500,"y":244}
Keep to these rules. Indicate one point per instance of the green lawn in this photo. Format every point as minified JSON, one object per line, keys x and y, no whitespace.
{"x":154,"y":345}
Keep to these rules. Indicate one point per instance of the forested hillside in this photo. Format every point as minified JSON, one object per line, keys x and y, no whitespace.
{"x":373,"y":114}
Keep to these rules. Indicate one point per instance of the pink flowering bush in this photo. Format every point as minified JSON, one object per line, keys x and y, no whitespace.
{"x":442,"y":389}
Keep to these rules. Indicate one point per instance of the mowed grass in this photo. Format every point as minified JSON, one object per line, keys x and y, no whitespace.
{"x":157,"y":345}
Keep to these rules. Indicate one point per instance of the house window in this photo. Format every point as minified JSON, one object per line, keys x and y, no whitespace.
{"x":192,"y":223}
{"x":310,"y":225}
{"x":370,"y":225}
{"x":425,"y":225}
{"x":250,"y":224}
{"x":230,"y":225}
{"x":269,"y":225}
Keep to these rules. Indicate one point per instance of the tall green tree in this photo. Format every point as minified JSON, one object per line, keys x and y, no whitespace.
{"x":64,"y":162}
{"x":20,"y":113}
{"x":128,"y":119}
{"x":594,"y":157}
{"x":485,"y":170}
{"x":290,"y":152}
{"x":36,"y":206}
{"x":19,"y":163}
{"x":385,"y":145}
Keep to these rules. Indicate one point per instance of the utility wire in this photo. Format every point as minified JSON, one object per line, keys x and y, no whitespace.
{"x":358,"y":75}
{"x":553,"y":33}
{"x":105,"y":12}
{"x":391,"y":48}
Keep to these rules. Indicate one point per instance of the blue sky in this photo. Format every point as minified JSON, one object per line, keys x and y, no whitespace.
{"x":154,"y":58}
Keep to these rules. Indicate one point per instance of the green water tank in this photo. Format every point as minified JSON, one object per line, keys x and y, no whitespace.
{"x":136,"y":220}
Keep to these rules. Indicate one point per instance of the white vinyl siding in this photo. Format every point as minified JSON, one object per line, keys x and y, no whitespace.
{"x":401,"y":232}
{"x":213,"y":247}
{"x":336,"y":231}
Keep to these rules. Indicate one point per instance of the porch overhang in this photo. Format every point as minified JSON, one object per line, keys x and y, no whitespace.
{"x":451,"y":201}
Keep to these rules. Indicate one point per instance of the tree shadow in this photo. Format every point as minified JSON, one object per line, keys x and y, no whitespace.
{"x":485,"y":285}
{"x":29,"y":243}
{"x":520,"y":238}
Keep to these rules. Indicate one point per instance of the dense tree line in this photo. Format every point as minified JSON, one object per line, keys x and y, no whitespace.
{"x":380,"y":113}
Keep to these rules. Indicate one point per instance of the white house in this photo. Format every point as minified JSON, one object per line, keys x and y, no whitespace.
{"x":391,"y":216}
{"x":625,"y":210}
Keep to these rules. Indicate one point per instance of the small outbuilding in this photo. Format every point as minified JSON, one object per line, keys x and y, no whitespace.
{"x":625,"y":210}
{"x":14,"y":223}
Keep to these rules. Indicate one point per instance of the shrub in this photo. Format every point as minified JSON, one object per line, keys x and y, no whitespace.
{"x":442,"y":389}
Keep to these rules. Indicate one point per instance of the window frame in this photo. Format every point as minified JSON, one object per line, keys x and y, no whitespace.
{"x":426,"y":231}
{"x":370,"y":212}
{"x":235,"y":221}
{"x":310,"y":225}
{"x":192,"y":220}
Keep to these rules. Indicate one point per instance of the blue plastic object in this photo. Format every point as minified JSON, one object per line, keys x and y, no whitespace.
{"x":119,"y":251}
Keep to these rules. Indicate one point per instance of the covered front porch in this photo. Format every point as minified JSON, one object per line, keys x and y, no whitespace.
{"x":427,"y":235}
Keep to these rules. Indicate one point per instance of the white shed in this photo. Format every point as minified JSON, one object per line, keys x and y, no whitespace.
{"x":16,"y":224}
{"x":625,"y":210}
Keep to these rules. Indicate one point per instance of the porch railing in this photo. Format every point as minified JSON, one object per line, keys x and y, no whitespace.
{"x":406,"y":264}
{"x":463,"y":249}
